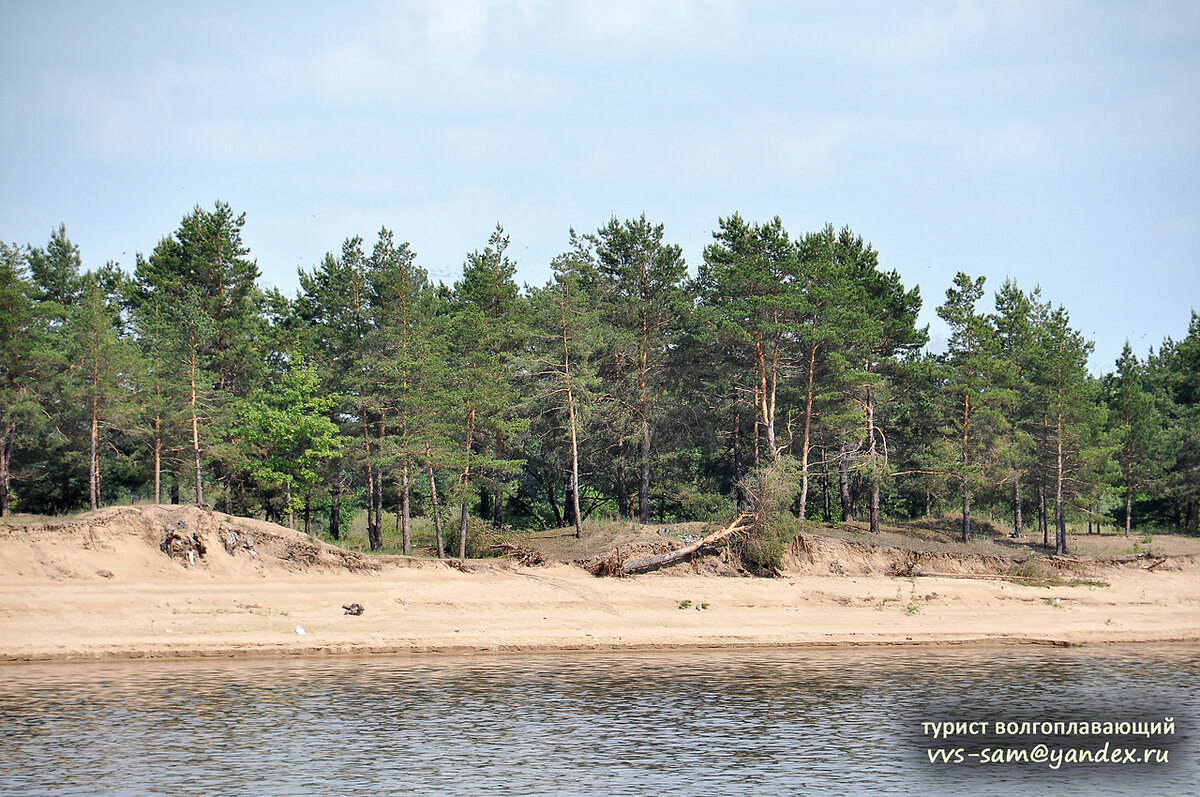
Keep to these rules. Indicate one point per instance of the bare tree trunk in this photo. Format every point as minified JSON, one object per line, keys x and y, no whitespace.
{"x":966,"y":510}
{"x":623,"y":507}
{"x":1043,"y":517}
{"x":739,"y":496}
{"x":826,"y":504}
{"x":94,"y":460}
{"x":966,"y":460}
{"x":196,"y":433}
{"x":6,"y":450}
{"x":644,"y":475}
{"x":766,"y":395}
{"x":291,"y":510}
{"x":1018,"y":527}
{"x":466,"y":479}
{"x":335,"y":510}
{"x":805,"y":441}
{"x":157,"y":458}
{"x":498,"y":500}
{"x":462,"y":532}
{"x":844,"y":481}
{"x":574,"y":465}
{"x":872,"y":451}
{"x":405,"y":511}
{"x":437,"y":513}
{"x":308,"y":513}
{"x":1060,"y":516}
{"x":1128,"y":509}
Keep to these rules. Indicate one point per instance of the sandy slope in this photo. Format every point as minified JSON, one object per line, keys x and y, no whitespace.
{"x":99,"y":587}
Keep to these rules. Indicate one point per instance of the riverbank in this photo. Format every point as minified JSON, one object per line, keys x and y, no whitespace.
{"x":102,"y":587}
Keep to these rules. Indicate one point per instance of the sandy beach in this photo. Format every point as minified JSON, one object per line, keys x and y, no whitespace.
{"x":101,"y":587}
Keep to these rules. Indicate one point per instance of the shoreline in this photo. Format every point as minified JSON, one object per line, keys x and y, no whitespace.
{"x":99,"y":588}
{"x":282,"y":654}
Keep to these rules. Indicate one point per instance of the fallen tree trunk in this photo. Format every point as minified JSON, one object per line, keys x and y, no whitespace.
{"x":679,"y":554}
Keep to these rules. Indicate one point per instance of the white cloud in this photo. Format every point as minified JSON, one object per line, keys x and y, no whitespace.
{"x":456,"y":27}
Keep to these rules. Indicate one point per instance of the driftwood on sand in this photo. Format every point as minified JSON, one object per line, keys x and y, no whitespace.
{"x":680,"y":554}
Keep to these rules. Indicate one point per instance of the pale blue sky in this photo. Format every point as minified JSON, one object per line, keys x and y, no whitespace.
{"x":1053,"y":142}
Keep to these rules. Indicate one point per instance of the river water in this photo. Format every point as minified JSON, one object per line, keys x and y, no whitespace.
{"x":760,"y":722}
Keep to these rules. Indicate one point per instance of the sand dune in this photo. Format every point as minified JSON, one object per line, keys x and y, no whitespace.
{"x":102,"y":586}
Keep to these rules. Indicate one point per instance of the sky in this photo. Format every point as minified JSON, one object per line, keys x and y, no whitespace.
{"x":1054,"y":143}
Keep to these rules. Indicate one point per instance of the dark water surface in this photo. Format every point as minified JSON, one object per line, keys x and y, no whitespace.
{"x":749,"y":722}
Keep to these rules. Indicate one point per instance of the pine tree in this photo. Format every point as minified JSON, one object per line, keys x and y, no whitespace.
{"x":639,"y":288}
{"x":563,"y":358}
{"x":20,"y":369}
{"x":1075,"y":414}
{"x":103,"y":364}
{"x":401,"y":308}
{"x":1137,"y":426}
{"x":973,"y":419}
{"x":1017,"y":314}
{"x":491,"y":328}
{"x":289,"y":434}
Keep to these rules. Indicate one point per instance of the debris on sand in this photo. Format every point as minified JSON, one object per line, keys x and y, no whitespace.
{"x":235,"y":541}
{"x":182,"y":545}
{"x":354,"y":609}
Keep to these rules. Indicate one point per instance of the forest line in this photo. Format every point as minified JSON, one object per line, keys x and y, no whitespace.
{"x":622,"y":387}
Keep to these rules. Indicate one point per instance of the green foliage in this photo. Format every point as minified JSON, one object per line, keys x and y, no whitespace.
{"x":288,"y":432}
{"x":771,"y":489}
{"x":617,"y":383}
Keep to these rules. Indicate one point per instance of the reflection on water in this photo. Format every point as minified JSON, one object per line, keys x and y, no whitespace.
{"x":748,"y":722}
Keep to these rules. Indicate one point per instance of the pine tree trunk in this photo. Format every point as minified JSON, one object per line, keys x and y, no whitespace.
{"x":766,"y":400}
{"x":291,"y":510}
{"x":874,"y":470}
{"x":738,"y":495}
{"x":827,"y":509}
{"x":1043,"y":516}
{"x":875,"y":509}
{"x":928,"y":504}
{"x":485,"y":501}
{"x":462,"y":532}
{"x":644,"y":474}
{"x":94,"y":460}
{"x":157,"y":458}
{"x":966,"y":511}
{"x":1128,"y":510}
{"x":1060,"y":517}
{"x":805,"y":440}
{"x":466,"y":480}
{"x":966,"y":460}
{"x":574,"y":464}
{"x":552,"y":499}
{"x":405,"y":511}
{"x":196,"y":435}
{"x":856,"y":485}
{"x":175,"y":497}
{"x":568,"y":506}
{"x":498,"y":501}
{"x":1018,"y":526}
{"x":335,"y":511}
{"x":308,"y":513}
{"x":6,"y":450}
{"x":844,"y":482}
{"x":623,"y":508}
{"x":371,"y":524}
{"x":437,"y":514}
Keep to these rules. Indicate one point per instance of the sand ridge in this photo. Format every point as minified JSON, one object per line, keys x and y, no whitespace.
{"x":100,"y":586}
